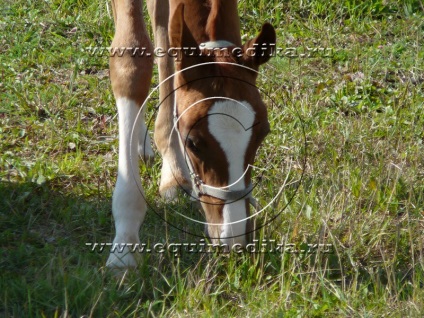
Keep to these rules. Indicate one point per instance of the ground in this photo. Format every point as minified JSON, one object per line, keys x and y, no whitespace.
{"x":346,"y":107}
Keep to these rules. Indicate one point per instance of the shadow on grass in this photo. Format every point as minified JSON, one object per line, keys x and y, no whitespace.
{"x":46,"y":266}
{"x":47,"y":269}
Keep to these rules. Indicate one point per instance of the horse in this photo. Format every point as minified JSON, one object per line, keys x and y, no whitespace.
{"x":211,"y":121}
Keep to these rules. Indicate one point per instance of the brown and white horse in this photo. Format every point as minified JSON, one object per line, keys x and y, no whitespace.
{"x":211,"y":120}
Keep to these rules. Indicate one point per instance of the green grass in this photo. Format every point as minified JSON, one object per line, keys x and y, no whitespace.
{"x":349,"y":125}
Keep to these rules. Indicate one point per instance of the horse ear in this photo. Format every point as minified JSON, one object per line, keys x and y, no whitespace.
{"x":259,"y":50}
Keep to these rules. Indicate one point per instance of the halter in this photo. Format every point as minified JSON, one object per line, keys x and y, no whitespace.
{"x":199,"y":187}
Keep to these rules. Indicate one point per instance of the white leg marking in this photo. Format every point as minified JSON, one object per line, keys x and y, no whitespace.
{"x":128,"y":204}
{"x":173,"y":167}
{"x":167,"y":176}
{"x":144,"y":144}
{"x":227,"y":123}
{"x":174,"y":173}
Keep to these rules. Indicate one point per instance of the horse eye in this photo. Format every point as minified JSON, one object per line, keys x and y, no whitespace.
{"x":190,"y":144}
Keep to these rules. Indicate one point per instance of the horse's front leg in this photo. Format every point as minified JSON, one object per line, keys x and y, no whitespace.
{"x":174,"y":169}
{"x":130,"y":77}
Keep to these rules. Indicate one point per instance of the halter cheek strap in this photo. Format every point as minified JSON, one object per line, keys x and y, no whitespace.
{"x":199,"y":187}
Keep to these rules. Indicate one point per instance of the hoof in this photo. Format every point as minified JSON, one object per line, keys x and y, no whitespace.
{"x":122,"y":261}
{"x":122,"y":256}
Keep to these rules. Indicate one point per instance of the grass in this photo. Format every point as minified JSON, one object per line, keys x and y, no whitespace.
{"x":349,"y":125}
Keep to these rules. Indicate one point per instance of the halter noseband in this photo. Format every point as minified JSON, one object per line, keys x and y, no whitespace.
{"x":199,"y":187}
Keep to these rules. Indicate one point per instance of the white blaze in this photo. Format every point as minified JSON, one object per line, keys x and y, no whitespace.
{"x":227,"y":123}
